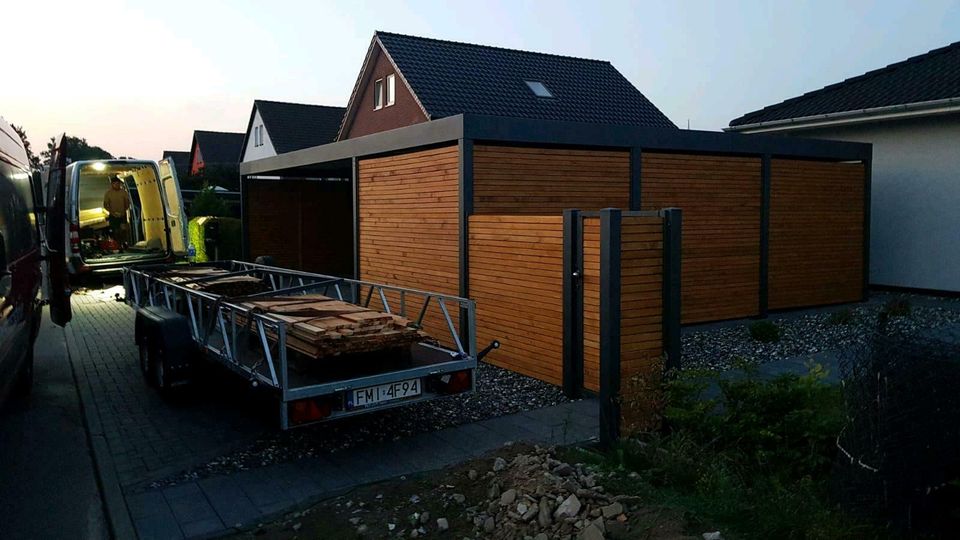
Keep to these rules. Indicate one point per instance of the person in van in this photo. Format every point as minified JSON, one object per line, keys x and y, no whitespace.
{"x":116,"y":202}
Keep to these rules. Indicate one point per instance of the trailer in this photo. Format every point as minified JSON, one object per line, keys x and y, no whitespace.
{"x":179,"y":325}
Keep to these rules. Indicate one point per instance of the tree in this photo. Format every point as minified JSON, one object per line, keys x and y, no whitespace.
{"x":31,"y":157}
{"x":225,"y":176}
{"x":208,"y":203}
{"x":77,"y":149}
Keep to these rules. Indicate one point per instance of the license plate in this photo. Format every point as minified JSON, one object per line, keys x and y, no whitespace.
{"x":373,"y":395}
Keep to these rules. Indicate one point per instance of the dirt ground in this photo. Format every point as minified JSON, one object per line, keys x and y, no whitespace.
{"x":460,"y":502}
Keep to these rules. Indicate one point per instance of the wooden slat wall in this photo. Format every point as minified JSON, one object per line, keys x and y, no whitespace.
{"x":304,"y":224}
{"x":516,"y":273}
{"x":522,"y":180}
{"x":409,"y":226}
{"x":591,"y":303}
{"x":720,"y":198}
{"x":641,"y":320}
{"x":816,"y":233}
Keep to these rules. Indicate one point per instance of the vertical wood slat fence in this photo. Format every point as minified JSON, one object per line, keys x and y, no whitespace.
{"x":589,"y":300}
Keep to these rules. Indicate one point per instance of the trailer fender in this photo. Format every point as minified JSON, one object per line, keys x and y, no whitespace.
{"x":167,"y":335}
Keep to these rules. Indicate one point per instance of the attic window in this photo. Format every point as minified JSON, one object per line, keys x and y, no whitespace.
{"x":378,"y":94}
{"x":539,"y":89}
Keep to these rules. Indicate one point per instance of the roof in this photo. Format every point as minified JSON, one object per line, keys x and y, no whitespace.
{"x":450,"y":78}
{"x":218,"y":147}
{"x":293,"y":126}
{"x":932,"y":76}
{"x":180,"y":159}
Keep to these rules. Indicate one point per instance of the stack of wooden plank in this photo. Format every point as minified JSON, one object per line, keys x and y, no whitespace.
{"x":230,"y":286}
{"x":319,"y":326}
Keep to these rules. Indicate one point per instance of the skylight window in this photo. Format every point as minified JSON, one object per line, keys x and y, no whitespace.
{"x":539,"y":89}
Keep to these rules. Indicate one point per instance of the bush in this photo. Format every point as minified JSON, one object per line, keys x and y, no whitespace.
{"x":764,"y":332}
{"x":897,"y":307}
{"x":843,"y":316}
{"x":208,"y":203}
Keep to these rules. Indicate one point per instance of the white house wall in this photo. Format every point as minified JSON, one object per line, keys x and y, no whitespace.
{"x":265,"y":150}
{"x":915,"y":210}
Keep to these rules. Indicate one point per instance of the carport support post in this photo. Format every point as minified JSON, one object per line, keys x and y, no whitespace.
{"x":244,"y":216}
{"x":355,"y":174}
{"x":764,"y":303}
{"x":867,"y":184}
{"x":609,"y":326}
{"x":465,"y":150}
{"x":572,"y":305}
{"x":672,"y":251}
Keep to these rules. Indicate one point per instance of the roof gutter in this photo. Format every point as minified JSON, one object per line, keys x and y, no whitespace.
{"x":892,"y":112}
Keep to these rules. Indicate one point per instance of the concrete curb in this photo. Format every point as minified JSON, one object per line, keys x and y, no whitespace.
{"x":115,"y":506}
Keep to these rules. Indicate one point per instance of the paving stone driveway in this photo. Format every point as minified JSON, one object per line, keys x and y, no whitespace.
{"x":145,"y":438}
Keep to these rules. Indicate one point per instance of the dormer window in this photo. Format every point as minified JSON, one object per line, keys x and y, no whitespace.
{"x":378,"y":94}
{"x":539,"y":89}
{"x":391,"y":89}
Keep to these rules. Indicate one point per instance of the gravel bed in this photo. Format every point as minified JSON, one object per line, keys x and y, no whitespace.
{"x":811,"y":333}
{"x":499,"y":392}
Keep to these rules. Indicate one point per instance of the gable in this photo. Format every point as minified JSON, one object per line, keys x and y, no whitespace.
{"x":361,"y":118}
{"x":258,"y":142}
{"x":196,"y":158}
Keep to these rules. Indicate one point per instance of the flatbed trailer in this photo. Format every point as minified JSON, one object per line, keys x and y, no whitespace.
{"x":176,"y":321}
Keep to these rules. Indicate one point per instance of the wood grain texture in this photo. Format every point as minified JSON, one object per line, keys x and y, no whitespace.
{"x":409,"y":227}
{"x":816,"y":233}
{"x":525,"y":180}
{"x":516,"y":270}
{"x":720,"y":198}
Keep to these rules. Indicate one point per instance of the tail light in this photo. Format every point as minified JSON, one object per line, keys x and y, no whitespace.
{"x":455,"y":382}
{"x":309,"y":410}
{"x":74,"y":238}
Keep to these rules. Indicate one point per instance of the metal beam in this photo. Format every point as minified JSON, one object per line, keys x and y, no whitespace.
{"x":867,"y":196}
{"x":610,"y":222}
{"x":572,"y":305}
{"x":465,"y":153}
{"x":244,"y":219}
{"x":764,"y":303}
{"x":671,"y":282}
{"x":355,"y":174}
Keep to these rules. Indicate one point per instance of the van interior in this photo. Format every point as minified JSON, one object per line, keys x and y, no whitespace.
{"x":142,"y":231}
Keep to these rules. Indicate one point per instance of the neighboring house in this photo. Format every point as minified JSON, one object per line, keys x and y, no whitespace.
{"x":276,"y":127}
{"x":181,"y":160}
{"x":215,"y":149}
{"x":407,"y":80}
{"x":910,"y":111}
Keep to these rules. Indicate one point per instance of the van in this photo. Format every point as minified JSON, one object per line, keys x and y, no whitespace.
{"x":121,"y":212}
{"x":20,"y":274}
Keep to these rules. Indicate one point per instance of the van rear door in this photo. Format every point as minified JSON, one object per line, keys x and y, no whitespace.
{"x":55,"y":233}
{"x":173,"y":201}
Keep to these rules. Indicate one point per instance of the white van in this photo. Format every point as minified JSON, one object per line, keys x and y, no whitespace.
{"x":150,"y":227}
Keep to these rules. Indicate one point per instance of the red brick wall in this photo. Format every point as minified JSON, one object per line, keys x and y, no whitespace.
{"x":404,"y":112}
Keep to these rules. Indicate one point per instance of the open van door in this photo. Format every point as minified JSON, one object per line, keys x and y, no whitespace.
{"x":55,"y":233}
{"x":176,"y":214}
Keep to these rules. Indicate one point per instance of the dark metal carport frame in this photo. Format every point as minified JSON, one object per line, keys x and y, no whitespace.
{"x":465,"y":130}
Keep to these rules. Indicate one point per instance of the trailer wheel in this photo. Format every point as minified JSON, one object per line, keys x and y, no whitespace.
{"x":160,"y":378}
{"x":166,"y":347}
{"x":145,"y":367}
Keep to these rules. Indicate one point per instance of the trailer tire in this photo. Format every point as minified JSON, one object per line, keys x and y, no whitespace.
{"x":160,"y":376}
{"x":166,"y":347}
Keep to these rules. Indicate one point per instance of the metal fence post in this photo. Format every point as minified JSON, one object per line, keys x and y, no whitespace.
{"x":672,"y":227}
{"x":572,"y":305}
{"x":610,"y":220}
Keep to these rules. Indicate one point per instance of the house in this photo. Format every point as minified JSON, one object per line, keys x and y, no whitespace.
{"x":451,"y":151}
{"x":181,"y":160}
{"x":215,"y":149}
{"x":276,"y":127}
{"x":910,"y":112}
{"x":407,"y":80}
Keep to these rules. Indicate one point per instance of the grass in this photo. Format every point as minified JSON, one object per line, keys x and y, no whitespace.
{"x":764,"y":331}
{"x":756,"y":467}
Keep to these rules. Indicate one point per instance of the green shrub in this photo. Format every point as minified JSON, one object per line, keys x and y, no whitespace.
{"x":897,"y":307}
{"x":208,"y":203}
{"x":842,"y":316}
{"x":764,"y":331}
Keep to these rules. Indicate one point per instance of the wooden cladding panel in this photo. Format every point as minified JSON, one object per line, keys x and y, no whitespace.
{"x":409,"y":225}
{"x":720,"y":198}
{"x":816,"y":233}
{"x":591,"y":303}
{"x":304,"y":224}
{"x":641,"y":320}
{"x":523,"y":180}
{"x":516,"y":274}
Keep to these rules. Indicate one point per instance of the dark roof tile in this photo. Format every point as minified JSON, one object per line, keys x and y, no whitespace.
{"x":293,"y":126}
{"x":451,"y":78}
{"x":218,"y":147}
{"x":928,"y":77}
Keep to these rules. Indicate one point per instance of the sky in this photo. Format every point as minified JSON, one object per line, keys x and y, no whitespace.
{"x":137,"y":77}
